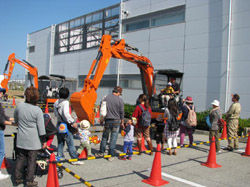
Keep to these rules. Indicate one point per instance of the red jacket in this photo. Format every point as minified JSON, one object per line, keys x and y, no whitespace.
{"x":138,"y":112}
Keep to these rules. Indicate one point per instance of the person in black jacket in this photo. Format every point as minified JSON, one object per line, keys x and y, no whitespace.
{"x":4,"y":120}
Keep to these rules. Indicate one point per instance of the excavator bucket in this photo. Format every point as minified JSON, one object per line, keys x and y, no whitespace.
{"x":83,"y":103}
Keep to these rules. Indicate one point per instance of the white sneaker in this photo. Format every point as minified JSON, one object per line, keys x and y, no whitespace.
{"x":77,"y":163}
{"x":4,"y":176}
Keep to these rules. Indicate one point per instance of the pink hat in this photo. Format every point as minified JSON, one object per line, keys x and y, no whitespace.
{"x":189,"y":99}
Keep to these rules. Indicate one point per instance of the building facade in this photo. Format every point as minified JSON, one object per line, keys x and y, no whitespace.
{"x":207,"y":40}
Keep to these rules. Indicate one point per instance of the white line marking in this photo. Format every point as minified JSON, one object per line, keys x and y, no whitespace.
{"x":181,"y":180}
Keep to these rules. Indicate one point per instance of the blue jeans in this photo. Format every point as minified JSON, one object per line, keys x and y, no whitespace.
{"x":2,"y":148}
{"x":127,"y":147}
{"x":68,"y":137}
{"x":112,"y":128}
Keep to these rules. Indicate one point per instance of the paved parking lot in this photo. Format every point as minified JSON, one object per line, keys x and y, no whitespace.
{"x":182,"y":170}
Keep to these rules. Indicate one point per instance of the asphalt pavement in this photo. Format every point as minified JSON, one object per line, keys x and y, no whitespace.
{"x":184,"y":169}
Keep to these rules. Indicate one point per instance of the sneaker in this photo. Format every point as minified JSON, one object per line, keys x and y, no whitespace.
{"x":219,"y":151}
{"x":77,"y":163}
{"x":111,"y":159}
{"x":32,"y":184}
{"x":228,"y":148}
{"x":4,"y":176}
{"x":99,"y":154}
{"x":122,"y":158}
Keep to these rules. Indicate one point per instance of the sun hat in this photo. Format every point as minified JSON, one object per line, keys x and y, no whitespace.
{"x":84,"y":124}
{"x":189,"y":99}
{"x":215,"y":103}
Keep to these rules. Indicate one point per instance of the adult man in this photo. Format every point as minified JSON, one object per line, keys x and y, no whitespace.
{"x":61,"y":110}
{"x":113,"y":120}
{"x":232,"y":118}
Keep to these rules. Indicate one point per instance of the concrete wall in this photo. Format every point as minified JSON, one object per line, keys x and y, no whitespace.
{"x":41,"y":56}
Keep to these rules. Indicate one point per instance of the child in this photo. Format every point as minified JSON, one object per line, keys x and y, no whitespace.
{"x":84,"y":135}
{"x":128,"y":140}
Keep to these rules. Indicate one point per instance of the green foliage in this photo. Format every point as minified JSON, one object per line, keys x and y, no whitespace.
{"x":128,"y":110}
{"x":201,"y":121}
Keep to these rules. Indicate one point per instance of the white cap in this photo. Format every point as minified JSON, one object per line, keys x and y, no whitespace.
{"x":215,"y":103}
{"x":169,"y":84}
{"x":84,"y":124}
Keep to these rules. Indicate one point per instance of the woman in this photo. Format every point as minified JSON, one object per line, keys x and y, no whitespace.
{"x":185,"y":127}
{"x":142,"y":129}
{"x":214,"y":116}
{"x":30,"y":136}
{"x":172,"y":127}
{"x":4,"y":120}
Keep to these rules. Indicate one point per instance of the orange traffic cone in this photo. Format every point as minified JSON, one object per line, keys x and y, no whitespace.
{"x":84,"y":153}
{"x":247,"y":151}
{"x":143,"y":148}
{"x":211,"y":160}
{"x":46,"y":111}
{"x":155,"y":178}
{"x":5,"y":164}
{"x":52,"y":180}
{"x":224,"y":132}
{"x":13,"y":102}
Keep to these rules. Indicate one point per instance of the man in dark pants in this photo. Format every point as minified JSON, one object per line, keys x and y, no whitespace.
{"x":113,"y":120}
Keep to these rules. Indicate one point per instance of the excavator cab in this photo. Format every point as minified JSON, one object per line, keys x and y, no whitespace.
{"x":49,"y":87}
{"x":161,"y":78}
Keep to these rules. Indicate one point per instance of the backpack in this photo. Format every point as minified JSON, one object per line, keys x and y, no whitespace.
{"x":145,"y":118}
{"x":173,"y":123}
{"x":192,"y":118}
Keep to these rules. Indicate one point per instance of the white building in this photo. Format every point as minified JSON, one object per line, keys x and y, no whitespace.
{"x":208,"y":40}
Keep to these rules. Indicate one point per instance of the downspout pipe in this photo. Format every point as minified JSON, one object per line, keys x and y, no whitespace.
{"x":228,"y":70}
{"x":120,"y":36}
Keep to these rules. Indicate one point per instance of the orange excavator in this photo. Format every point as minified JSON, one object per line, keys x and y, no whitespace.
{"x":83,"y":102}
{"x":11,"y":63}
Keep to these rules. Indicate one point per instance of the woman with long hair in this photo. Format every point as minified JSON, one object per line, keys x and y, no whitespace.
{"x":142,"y":128}
{"x":173,"y":125}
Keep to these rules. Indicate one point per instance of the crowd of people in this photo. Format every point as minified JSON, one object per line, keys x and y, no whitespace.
{"x":178,"y":120}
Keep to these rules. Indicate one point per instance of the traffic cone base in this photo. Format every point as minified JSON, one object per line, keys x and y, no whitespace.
{"x":245,"y":155}
{"x":155,"y":183}
{"x":83,"y":153}
{"x":211,"y":165}
{"x":211,"y":160}
{"x":155,"y":178}
{"x":143,"y":148}
{"x":5,"y":164}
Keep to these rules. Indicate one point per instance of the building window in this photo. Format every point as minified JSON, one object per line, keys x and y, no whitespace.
{"x":86,"y":31}
{"x":137,"y":25}
{"x":31,"y":49}
{"x":163,"y":17}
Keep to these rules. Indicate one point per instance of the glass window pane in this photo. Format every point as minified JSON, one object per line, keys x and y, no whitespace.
{"x":112,"y":23}
{"x":137,"y":25}
{"x":94,"y":27}
{"x":169,"y":18}
{"x":97,"y":16}
{"x":75,"y":39}
{"x":88,"y":19}
{"x":115,"y":11}
{"x":63,"y":35}
{"x":63,"y":27}
{"x":108,"y":13}
{"x":75,"y":32}
{"x":97,"y":35}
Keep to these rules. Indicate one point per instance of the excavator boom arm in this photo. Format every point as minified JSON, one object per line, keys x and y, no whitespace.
{"x":11,"y":63}
{"x":83,"y":102}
